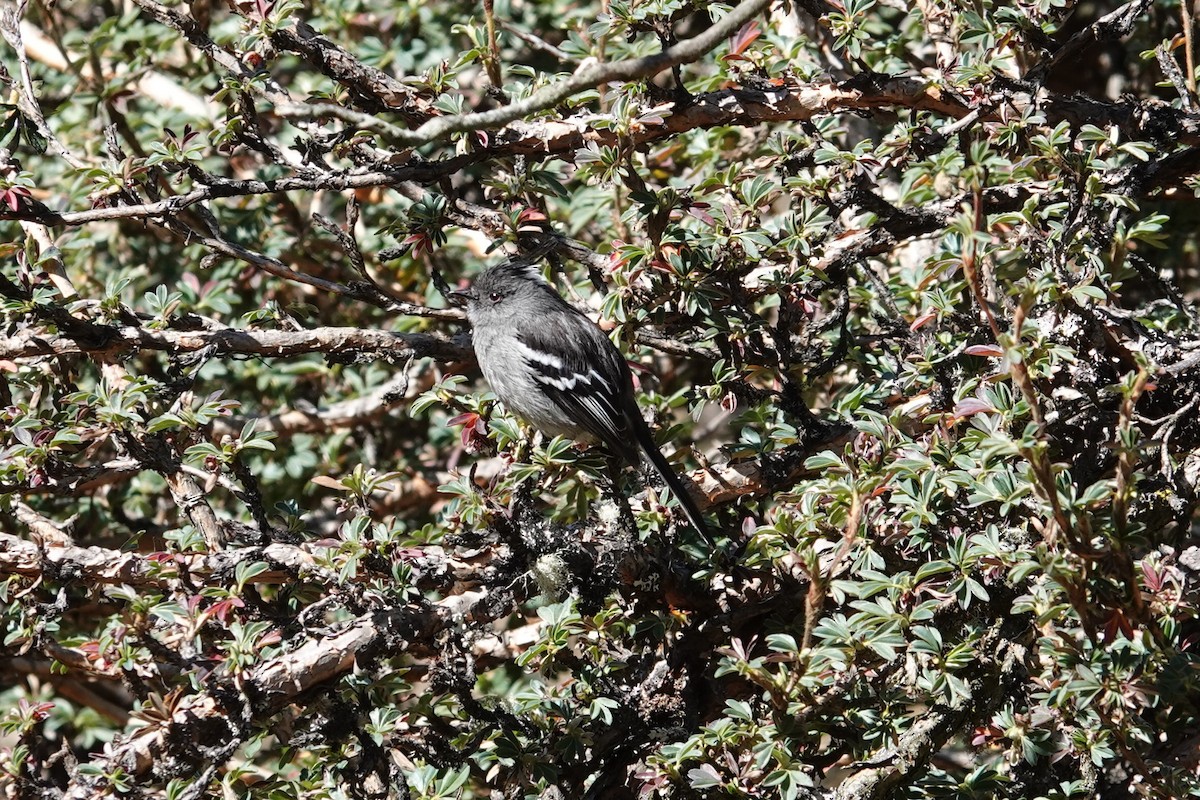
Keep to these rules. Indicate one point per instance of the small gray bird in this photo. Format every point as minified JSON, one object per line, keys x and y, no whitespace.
{"x":553,"y":366}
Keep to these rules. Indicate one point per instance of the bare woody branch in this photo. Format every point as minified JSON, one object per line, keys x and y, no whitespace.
{"x":102,"y":565}
{"x":221,"y":188}
{"x":369,"y":87}
{"x":334,"y":342}
{"x":870,"y":93}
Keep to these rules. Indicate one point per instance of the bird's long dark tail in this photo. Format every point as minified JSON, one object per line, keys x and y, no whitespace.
{"x":673,"y":481}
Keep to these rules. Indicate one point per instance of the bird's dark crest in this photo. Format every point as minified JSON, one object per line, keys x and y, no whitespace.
{"x":525,"y":269}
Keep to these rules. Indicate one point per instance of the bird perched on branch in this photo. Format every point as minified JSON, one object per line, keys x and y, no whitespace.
{"x":555,"y":368}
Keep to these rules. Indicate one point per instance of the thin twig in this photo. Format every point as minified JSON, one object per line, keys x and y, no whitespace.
{"x":10,"y":28}
{"x":221,"y":188}
{"x":492,"y":62}
{"x":366,"y":122}
{"x":1189,"y":53}
{"x":537,"y":42}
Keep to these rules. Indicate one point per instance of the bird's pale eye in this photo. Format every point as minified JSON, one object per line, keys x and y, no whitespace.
{"x":495,"y":297}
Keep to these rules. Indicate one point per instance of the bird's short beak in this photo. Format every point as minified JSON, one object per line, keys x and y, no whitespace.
{"x":461,"y":299}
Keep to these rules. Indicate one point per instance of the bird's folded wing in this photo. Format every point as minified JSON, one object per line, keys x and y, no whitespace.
{"x":587,"y":380}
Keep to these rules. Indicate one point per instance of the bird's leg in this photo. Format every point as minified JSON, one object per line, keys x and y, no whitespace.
{"x":627,"y":522}
{"x":521,"y":506}
{"x":525,"y":445}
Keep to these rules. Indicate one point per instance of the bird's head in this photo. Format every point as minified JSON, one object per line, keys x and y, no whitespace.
{"x":494,"y":291}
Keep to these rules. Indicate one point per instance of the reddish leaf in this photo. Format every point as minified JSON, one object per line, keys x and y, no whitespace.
{"x":13,"y":195}
{"x":419,"y":241}
{"x":744,"y":38}
{"x":697,"y":210}
{"x":223,"y":608}
{"x":970,"y":406}
{"x":1154,"y":578}
{"x":530,"y":215}
{"x":986,"y":734}
{"x":1117,"y":623}
{"x":474,"y":432}
{"x":922,"y":320}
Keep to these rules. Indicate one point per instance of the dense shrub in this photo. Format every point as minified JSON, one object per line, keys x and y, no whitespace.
{"x":909,"y":290}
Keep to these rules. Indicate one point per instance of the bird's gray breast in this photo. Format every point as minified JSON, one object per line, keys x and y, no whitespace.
{"x":504,"y":362}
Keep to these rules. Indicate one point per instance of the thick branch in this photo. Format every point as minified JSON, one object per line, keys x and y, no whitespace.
{"x":330,"y":342}
{"x":372,"y":88}
{"x":874,"y":93}
{"x":101,"y":565}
